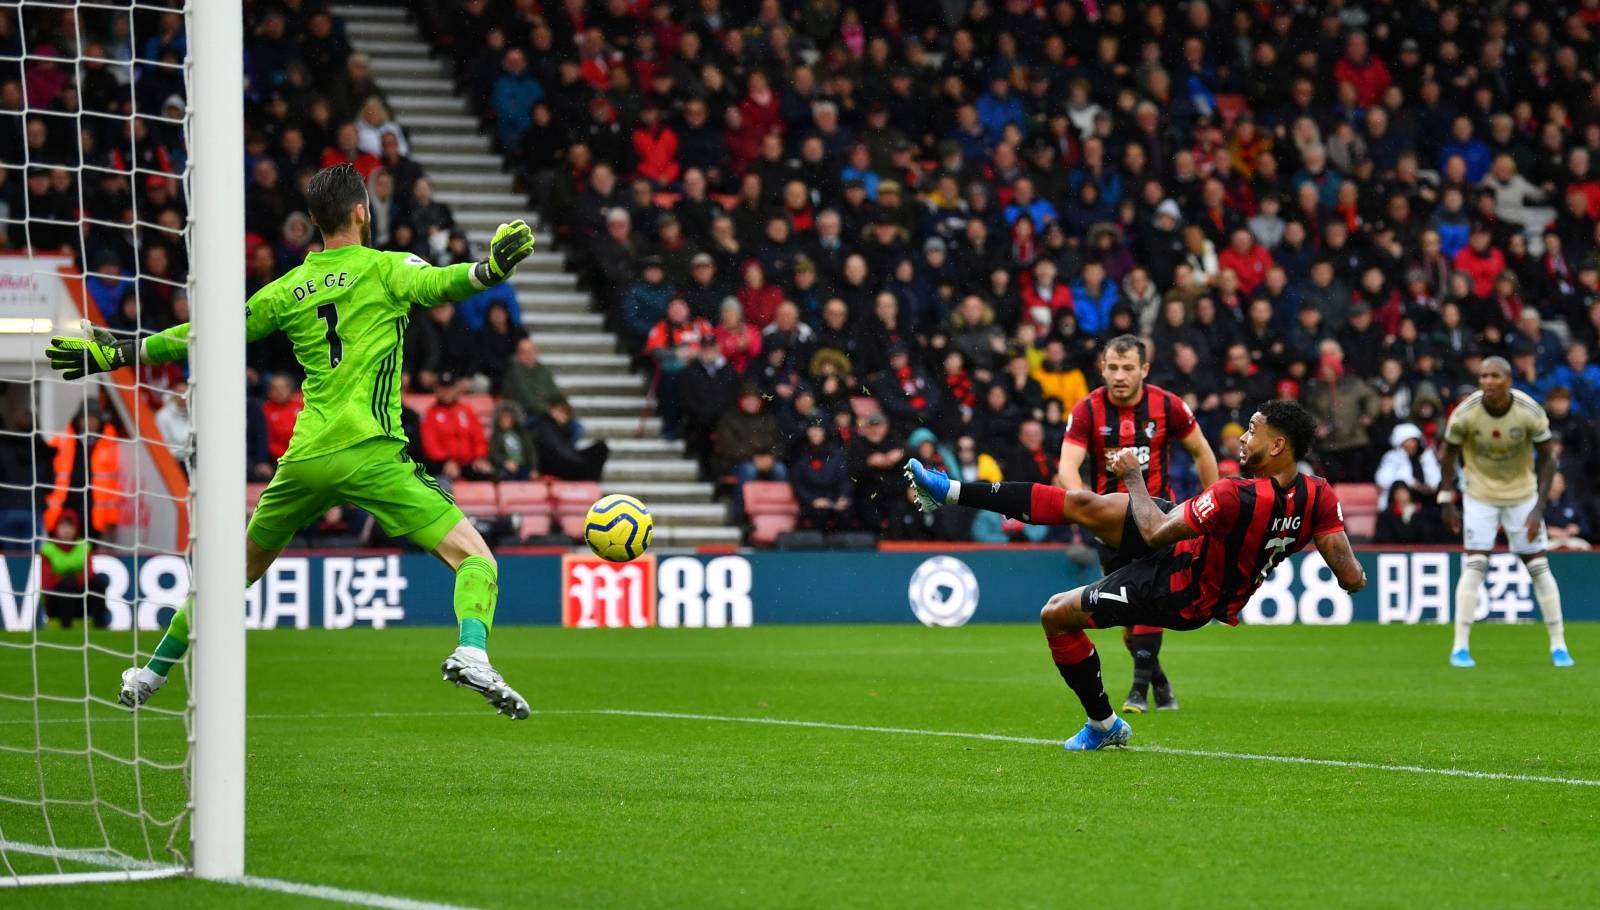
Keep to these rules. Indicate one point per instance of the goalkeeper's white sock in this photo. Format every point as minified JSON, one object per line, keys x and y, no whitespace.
{"x":1473,"y":568}
{"x":1548,"y":595}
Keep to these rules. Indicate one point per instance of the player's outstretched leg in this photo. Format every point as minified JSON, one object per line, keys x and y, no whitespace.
{"x":1030,"y":503}
{"x":1079,"y":665}
{"x":1549,"y":598}
{"x":477,"y":589}
{"x":1473,"y":568}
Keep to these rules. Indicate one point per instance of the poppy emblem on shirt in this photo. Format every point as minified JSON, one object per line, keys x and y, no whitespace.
{"x":1127,"y":428}
{"x":1495,"y":434}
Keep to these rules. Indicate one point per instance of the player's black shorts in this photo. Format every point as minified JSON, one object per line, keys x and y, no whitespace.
{"x":1133,"y":545}
{"x":1140,"y":594}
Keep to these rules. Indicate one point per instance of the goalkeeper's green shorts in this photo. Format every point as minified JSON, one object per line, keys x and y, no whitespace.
{"x":375,"y":476}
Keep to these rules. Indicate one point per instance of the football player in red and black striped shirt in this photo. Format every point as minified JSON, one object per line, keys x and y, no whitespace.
{"x":1128,"y":413}
{"x":1211,"y":553}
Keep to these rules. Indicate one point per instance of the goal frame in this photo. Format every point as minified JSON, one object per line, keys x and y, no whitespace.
{"x":216,"y":359}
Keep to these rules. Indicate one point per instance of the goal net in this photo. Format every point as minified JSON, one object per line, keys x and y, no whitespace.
{"x":98,"y":228}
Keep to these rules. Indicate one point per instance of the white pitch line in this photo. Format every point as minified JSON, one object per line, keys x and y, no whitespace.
{"x":913,"y":731}
{"x":130,"y":868}
{"x":1159,"y":750}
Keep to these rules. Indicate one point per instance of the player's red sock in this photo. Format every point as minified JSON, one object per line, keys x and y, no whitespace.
{"x":1079,"y":665}
{"x":1030,"y":503}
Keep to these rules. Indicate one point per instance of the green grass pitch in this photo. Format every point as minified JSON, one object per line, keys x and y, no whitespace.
{"x":368,"y":773}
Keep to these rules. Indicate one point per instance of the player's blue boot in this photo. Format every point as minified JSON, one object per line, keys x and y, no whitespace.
{"x":1461,"y":657}
{"x":1561,"y":657}
{"x":932,"y":487}
{"x":1089,"y":738}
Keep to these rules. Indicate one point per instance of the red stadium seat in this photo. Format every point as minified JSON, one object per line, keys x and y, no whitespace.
{"x":535,"y":524}
{"x":572,"y":499}
{"x":764,"y":529}
{"x":769,"y":497}
{"x":484,"y":405}
{"x":252,"y":495}
{"x":517,"y":494}
{"x":1357,"y":495}
{"x":419,"y":402}
{"x":1360,"y":525}
{"x":476,"y":498}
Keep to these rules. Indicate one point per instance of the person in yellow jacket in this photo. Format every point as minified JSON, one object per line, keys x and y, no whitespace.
{"x":1058,"y":377}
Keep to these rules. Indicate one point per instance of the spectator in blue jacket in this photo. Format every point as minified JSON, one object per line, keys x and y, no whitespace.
{"x":1451,"y":222}
{"x":1473,"y":152}
{"x":998,"y":107}
{"x":1026,"y":201}
{"x":1581,"y":378}
{"x":1093,"y":297}
{"x":512,"y":99}
{"x":645,"y":303}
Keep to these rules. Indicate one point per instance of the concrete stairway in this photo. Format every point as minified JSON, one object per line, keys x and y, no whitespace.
{"x":469,"y":176}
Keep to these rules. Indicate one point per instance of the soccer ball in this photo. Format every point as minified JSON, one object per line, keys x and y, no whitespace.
{"x":618,"y":528}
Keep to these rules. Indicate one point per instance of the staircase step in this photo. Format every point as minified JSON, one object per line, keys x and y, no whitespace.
{"x":546,"y":283}
{"x":609,"y":384}
{"x":457,"y":160}
{"x":502,"y":202}
{"x":598,"y":405}
{"x":479,"y":220}
{"x":576,"y":342}
{"x":452,"y":125}
{"x":636,"y":448}
{"x":668,"y":474}
{"x":362,"y":30}
{"x":420,"y":85}
{"x":696,"y":536}
{"x":409,"y":106}
{"x":473,"y":181}
{"x":559,"y":321}
{"x":450,"y":142}
{"x":353,"y":11}
{"x":384,"y":67}
{"x":562,"y":360}
{"x":680,"y":514}
{"x":537,"y":261}
{"x":396,"y":47}
{"x":618,"y":427}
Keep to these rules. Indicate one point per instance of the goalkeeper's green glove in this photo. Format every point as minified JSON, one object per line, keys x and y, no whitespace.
{"x":512,"y":243}
{"x":99,"y":353}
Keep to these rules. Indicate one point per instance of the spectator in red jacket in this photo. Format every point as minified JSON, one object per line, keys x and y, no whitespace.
{"x":281,"y":410}
{"x":1248,"y":259}
{"x":655,"y":147}
{"x":1480,"y":261}
{"x":759,"y":299}
{"x":346,"y":150}
{"x":1358,"y":67}
{"x":737,"y":339}
{"x":453,"y":441}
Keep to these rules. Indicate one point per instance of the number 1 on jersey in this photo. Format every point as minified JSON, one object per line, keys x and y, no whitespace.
{"x":330,"y":313}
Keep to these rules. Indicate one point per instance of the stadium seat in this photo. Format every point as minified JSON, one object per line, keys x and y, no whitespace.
{"x":1360,"y":525}
{"x":572,"y":499}
{"x":476,"y":498}
{"x":1352,"y":495}
{"x":772,"y":509}
{"x":529,"y":499}
{"x":252,"y":495}
{"x":419,"y":402}
{"x":484,"y":405}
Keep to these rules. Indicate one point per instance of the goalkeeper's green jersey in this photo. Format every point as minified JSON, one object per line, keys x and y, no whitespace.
{"x":345,"y":310}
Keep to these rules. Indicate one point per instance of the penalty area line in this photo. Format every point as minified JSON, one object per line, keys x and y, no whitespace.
{"x":129,"y":868}
{"x":1155,"y":750}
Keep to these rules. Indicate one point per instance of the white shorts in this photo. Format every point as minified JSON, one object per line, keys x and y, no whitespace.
{"x":1480,"y":520}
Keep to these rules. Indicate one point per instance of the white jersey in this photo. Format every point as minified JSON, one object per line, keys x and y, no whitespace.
{"x":1497,"y":450}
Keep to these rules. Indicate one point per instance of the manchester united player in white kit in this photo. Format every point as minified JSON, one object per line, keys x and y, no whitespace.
{"x":1495,"y":432}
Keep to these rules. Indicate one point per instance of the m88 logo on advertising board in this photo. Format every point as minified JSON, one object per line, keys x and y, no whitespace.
{"x":679,"y":592}
{"x":596,"y":594}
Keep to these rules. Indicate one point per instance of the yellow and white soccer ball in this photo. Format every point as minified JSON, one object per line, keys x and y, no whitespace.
{"x":618,"y":528}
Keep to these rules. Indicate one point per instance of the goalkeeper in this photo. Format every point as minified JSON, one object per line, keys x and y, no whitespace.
{"x":345,"y":310}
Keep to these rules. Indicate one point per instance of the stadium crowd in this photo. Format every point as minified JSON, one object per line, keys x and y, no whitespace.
{"x":838,"y":234}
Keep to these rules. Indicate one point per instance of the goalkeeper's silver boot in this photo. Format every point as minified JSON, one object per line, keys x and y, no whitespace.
{"x":467,"y":670}
{"x":138,"y":684}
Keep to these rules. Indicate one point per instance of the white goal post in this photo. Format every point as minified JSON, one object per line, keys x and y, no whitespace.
{"x":216,"y":359}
